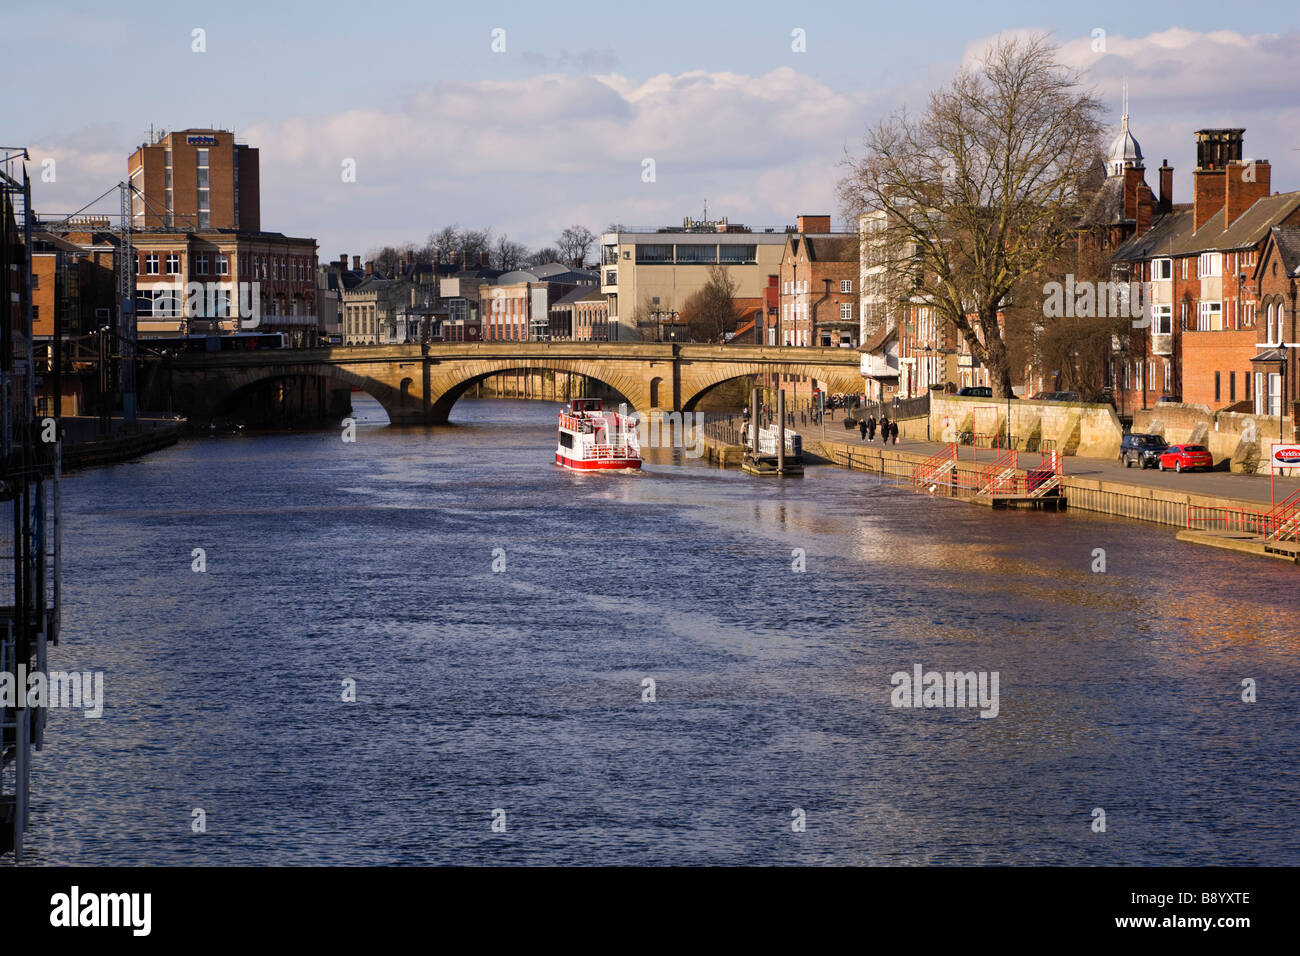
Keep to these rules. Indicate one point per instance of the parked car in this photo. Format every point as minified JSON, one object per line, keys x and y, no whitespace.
{"x":1058,"y":397}
{"x":1186,"y":457}
{"x":978,"y":391}
{"x":1176,"y":399}
{"x":1141,"y":450}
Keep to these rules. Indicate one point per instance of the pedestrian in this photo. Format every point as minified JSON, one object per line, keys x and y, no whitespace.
{"x":884,"y":429}
{"x":862,"y":427}
{"x":893,"y":431}
{"x":871,"y":428}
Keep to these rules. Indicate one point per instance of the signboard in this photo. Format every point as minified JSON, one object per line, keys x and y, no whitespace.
{"x":200,"y":141}
{"x":1285,"y":455}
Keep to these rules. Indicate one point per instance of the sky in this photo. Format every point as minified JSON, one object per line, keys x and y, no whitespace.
{"x":527,"y":117}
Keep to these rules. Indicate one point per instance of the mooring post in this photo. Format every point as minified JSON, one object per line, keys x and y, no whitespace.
{"x":780,"y":435}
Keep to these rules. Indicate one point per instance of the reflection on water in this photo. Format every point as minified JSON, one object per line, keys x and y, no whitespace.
{"x":522,"y":689}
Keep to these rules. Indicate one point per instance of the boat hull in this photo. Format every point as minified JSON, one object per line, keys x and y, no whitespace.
{"x":603,"y":464}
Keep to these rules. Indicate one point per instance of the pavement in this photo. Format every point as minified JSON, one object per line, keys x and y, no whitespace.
{"x":1222,"y":484}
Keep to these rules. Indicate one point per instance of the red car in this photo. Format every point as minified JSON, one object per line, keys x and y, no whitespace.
{"x":1186,"y":457}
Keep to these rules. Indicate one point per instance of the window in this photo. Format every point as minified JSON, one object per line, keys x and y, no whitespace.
{"x":173,"y":264}
{"x":1210,"y":265}
{"x":1168,"y":376}
{"x":201,"y":264}
{"x":1184,"y":267}
{"x":1217,"y":390}
{"x":1209,"y":317}
{"x":223,"y":264}
{"x":846,"y":312}
{"x":654,"y":254}
{"x":1232,"y":386}
{"x":1162,"y":269}
{"x":846,"y":285}
{"x":738,"y":254}
{"x":1151,"y":375}
{"x":696,"y":255}
{"x":1164,"y":319}
{"x":151,"y":264}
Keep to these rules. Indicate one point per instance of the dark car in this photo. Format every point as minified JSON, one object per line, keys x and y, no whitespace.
{"x":1186,"y":457}
{"x":1169,"y":398}
{"x":978,"y":391}
{"x":1141,"y":450}
{"x":1058,"y":397}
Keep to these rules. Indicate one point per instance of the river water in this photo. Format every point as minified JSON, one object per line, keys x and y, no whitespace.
{"x":521,"y":689}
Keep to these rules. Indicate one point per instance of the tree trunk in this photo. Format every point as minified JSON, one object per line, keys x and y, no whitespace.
{"x":998,"y":360}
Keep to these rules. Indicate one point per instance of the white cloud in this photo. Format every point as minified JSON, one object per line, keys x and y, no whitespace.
{"x":529,"y":156}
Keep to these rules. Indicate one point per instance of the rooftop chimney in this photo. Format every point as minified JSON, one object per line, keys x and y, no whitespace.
{"x":370,"y":267}
{"x":1247,"y":182}
{"x":1215,"y":149}
{"x":356,"y":263}
{"x":343,"y":263}
{"x":806,"y":223}
{"x":483,"y":259}
{"x":1166,"y":186}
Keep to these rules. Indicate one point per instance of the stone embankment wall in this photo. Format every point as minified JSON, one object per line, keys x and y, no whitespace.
{"x":1088,"y":431}
{"x":1241,"y":441}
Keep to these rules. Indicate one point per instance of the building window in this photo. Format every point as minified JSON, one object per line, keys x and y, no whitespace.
{"x":223,"y":264}
{"x":173,"y":264}
{"x":1209,"y":317}
{"x":846,"y":311}
{"x":1210,"y":265}
{"x":654,"y":254}
{"x":1217,"y":389}
{"x":1162,"y":269}
{"x":201,"y":264}
{"x":1164,"y":319}
{"x":846,"y":285}
{"x":151,"y":264}
{"x":1168,"y":376}
{"x":1184,"y":268}
{"x":1232,"y":386}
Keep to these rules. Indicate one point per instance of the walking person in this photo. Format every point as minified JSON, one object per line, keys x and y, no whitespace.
{"x":870,"y":433}
{"x":893,"y":432}
{"x":884,"y":429}
{"x":862,"y":428}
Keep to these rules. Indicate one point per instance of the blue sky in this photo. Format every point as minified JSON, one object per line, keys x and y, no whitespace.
{"x":555,"y":129}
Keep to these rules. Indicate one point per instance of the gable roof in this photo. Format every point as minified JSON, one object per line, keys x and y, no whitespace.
{"x":1287,"y":239}
{"x":1172,"y":234}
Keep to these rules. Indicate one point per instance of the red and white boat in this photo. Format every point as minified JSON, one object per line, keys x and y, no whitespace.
{"x":592,"y":439}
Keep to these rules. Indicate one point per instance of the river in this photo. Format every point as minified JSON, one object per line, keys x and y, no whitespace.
{"x":521,"y":689}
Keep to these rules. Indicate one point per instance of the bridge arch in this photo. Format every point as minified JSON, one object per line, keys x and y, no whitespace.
{"x":213,"y":400}
{"x":446,"y":389}
{"x":699,"y":379}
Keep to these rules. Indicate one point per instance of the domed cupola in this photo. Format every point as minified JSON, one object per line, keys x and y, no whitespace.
{"x":1125,"y":153}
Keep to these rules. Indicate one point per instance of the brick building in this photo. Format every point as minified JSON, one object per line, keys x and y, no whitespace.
{"x":818,"y":287}
{"x":1203,"y":262}
{"x":196,"y":179}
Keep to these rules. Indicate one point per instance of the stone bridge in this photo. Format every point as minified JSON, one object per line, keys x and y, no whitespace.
{"x":420,"y":386}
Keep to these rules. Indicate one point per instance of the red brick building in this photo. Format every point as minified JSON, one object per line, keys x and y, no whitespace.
{"x":818,"y":302}
{"x":1203,"y":262}
{"x":196,"y":179}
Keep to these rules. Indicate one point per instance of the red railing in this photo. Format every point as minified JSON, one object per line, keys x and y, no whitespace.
{"x":1280,"y":524}
{"x":1284,"y":520}
{"x":999,"y":478}
{"x":928,"y":471}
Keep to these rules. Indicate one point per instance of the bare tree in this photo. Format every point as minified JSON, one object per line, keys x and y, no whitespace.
{"x":543,"y":256}
{"x":980,"y":190}
{"x":508,"y":255}
{"x":574,"y":243}
{"x":445,"y":241}
{"x":710,"y":312}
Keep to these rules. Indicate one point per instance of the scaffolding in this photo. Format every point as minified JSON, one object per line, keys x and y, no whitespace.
{"x":30,"y":469}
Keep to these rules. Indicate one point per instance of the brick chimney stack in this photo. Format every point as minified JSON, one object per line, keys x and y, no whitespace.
{"x":483,"y":259}
{"x":1166,"y":186}
{"x":343,"y":263}
{"x":1248,"y":182}
{"x":806,"y":223}
{"x":1145,"y":203}
{"x":356,"y":263}
{"x":1216,"y":149}
{"x":370,"y":268}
